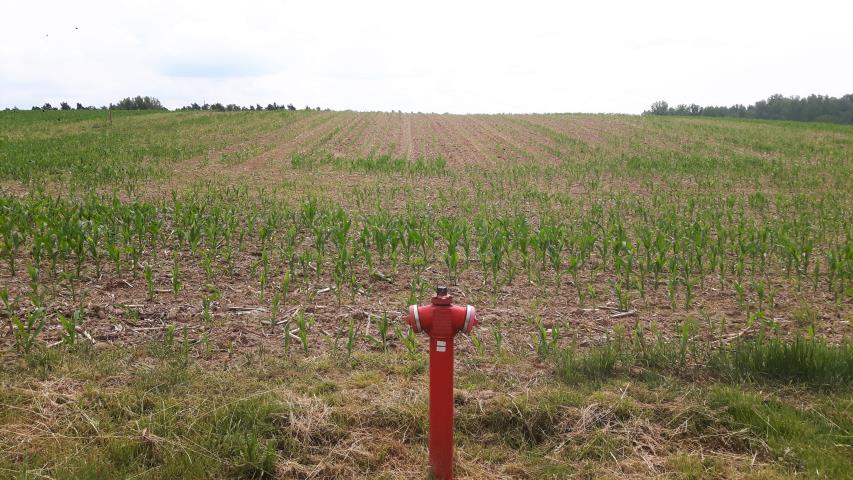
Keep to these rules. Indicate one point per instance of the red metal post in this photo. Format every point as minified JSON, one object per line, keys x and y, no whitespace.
{"x":441,"y":394}
{"x":441,"y":320}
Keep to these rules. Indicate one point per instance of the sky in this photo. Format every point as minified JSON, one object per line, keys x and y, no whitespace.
{"x":431,"y":56}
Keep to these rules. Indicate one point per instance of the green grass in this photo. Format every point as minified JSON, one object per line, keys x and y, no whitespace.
{"x":814,"y":441}
{"x":809,"y":361}
{"x":145,"y":411}
{"x":803,"y":361}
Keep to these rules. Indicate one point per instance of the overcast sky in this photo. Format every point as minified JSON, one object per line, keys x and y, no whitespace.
{"x":431,"y":56}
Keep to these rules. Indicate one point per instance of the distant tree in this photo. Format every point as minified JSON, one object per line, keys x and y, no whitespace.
{"x":64,"y":106}
{"x":290,"y":107}
{"x":80,"y":106}
{"x":47,"y":106}
{"x":138,"y":103}
{"x":659,"y":108}
{"x":35,"y":107}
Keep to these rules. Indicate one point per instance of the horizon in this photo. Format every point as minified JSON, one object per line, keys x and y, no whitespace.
{"x":482,"y":58}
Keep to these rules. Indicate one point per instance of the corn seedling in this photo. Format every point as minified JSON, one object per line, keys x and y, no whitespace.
{"x":26,"y":330}
{"x":169,"y":337}
{"x":302,"y":324}
{"x":69,"y":328}
{"x":176,"y":275}
{"x":382,"y":326}
{"x":287,"y":337}
{"x":148,"y":273}
{"x":478,"y":344}
{"x":497,"y":334}
{"x":546,"y":340}
{"x":351,"y":337}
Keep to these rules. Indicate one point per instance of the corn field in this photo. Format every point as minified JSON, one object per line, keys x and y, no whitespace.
{"x":197,"y":294}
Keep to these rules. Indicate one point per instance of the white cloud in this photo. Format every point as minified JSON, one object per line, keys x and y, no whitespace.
{"x":615,"y":56}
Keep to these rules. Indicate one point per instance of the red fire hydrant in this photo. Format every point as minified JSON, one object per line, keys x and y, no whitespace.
{"x":441,"y":321}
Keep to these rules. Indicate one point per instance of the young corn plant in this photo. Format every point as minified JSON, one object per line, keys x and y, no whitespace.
{"x":410,"y":341}
{"x":287,"y":337}
{"x":382,"y":325}
{"x":302,"y":325}
{"x":351,"y":337}
{"x":206,"y":316}
{"x":285,"y":287}
{"x":452,"y":229}
{"x":264,"y":275}
{"x":12,"y":240}
{"x":169,"y":337}
{"x":497,"y":334}
{"x":546,"y":341}
{"x":69,"y":328}
{"x":8,"y":304}
{"x":478,"y":344}
{"x":176,"y":275}
{"x":27,"y":329}
{"x":148,"y":273}
{"x":275,"y":308}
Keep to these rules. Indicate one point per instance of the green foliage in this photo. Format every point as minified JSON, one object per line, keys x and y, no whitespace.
{"x":382,"y":326}
{"x":149,"y":282}
{"x":546,"y":340}
{"x":69,"y":328}
{"x":478,"y":344}
{"x":814,"y":108}
{"x":351,"y":337}
{"x":27,"y":329}
{"x":137,"y":103}
{"x":805,"y":361}
{"x":302,"y":324}
{"x":176,"y":275}
{"x":807,"y":435}
{"x":410,"y":340}
{"x":596,"y":363}
{"x":382,"y":164}
{"x":801,"y":360}
{"x":497,"y":334}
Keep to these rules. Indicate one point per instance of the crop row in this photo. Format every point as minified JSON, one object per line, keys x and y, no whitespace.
{"x":639,"y":245}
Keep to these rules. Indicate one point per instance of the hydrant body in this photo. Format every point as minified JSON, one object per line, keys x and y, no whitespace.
{"x":441,"y":320}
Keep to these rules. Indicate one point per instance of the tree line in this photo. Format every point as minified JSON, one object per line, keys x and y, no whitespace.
{"x":231,"y":107}
{"x":151,"y":103}
{"x":814,"y":108}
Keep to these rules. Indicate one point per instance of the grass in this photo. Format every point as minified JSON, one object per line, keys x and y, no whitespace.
{"x":144,"y":411}
{"x":813,"y":442}
{"x":803,"y":361}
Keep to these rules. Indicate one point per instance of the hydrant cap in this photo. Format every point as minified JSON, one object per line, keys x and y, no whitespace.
{"x":470,"y":318}
{"x":414,"y":318}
